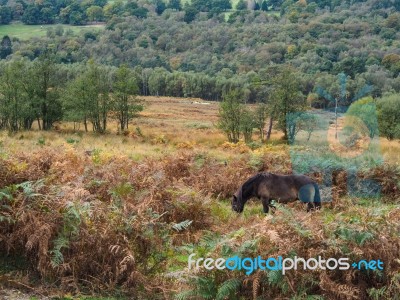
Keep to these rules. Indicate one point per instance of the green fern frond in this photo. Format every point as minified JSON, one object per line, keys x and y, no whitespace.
{"x":228,"y":289}
{"x":377,"y":294}
{"x":182,"y":225}
{"x":275,"y":277}
{"x":362,"y":237}
{"x":206,"y":288}
{"x":57,"y":258}
{"x":185,"y":295}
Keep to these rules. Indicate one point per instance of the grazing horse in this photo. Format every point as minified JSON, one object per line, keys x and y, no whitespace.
{"x":281,"y":188}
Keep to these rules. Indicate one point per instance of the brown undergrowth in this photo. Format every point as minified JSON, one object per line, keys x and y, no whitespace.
{"x":102,"y":224}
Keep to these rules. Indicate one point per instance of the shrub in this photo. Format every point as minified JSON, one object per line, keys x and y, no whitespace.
{"x":389,"y":116}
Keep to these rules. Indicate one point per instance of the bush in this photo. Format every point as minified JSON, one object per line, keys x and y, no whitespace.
{"x":365,"y":110}
{"x":389,"y":116}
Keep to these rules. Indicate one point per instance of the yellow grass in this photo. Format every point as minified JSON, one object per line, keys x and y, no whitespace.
{"x":166,"y":124}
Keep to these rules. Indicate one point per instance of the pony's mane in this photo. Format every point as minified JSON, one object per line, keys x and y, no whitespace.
{"x":252,"y":179}
{"x":244,"y":189}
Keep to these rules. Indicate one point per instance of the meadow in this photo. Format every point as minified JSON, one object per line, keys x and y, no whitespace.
{"x":25,"y":32}
{"x":117,"y":215}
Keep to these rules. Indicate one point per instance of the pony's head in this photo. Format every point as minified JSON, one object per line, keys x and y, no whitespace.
{"x":237,"y":201}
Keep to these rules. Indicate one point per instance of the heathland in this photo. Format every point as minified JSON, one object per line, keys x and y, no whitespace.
{"x":119,"y":214}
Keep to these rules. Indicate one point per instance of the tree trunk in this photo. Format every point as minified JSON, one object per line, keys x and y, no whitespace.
{"x":85,"y":123}
{"x":271,"y":121}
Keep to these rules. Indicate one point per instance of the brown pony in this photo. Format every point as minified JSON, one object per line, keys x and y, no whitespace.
{"x":281,"y":188}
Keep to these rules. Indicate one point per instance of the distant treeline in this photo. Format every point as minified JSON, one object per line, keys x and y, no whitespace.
{"x":361,"y":40}
{"x":81,"y":12}
{"x":44,"y":92}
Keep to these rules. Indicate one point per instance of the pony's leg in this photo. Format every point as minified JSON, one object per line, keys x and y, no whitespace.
{"x":317,"y":205}
{"x":306,"y":195}
{"x":265,"y":203}
{"x":310,"y":206}
{"x":272,"y":206}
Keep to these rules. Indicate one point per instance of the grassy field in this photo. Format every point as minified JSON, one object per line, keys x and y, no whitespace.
{"x":25,"y":32}
{"x":118,"y":215}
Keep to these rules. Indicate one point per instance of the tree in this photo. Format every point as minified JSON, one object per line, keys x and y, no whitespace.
{"x":31,"y":15}
{"x":264,"y":6}
{"x":190,"y":14}
{"x":388,"y":116}
{"x":5,"y":14}
{"x":221,"y":5}
{"x":276,"y":3}
{"x":5,"y":47}
{"x":94,"y":13}
{"x":241,"y":5}
{"x":97,"y":94}
{"x":76,"y":106}
{"x":231,"y":112}
{"x":43,"y":79}
{"x":260,"y":116}
{"x":175,"y":4}
{"x":365,"y":110}
{"x":286,"y":97}
{"x":160,"y":7}
{"x":16,"y":111}
{"x":126,"y":104}
{"x":140,"y":12}
{"x":301,"y":121}
{"x":247,"y":124}
{"x":392,"y":62}
{"x":86,"y":98}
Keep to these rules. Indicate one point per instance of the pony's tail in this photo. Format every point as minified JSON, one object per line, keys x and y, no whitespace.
{"x":317,"y":196}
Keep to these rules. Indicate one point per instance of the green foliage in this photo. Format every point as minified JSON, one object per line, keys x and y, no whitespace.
{"x":175,"y":4}
{"x":207,"y":288}
{"x":389,"y":115}
{"x":247,"y":124}
{"x":122,"y":190}
{"x":235,"y":118}
{"x":190,"y":14}
{"x":358,"y":237}
{"x":301,"y":121}
{"x":6,"y":201}
{"x":241,"y":5}
{"x":5,"y":14}
{"x":87,"y":98}
{"x":96,"y":156}
{"x":41,"y":141}
{"x":365,"y":110}
{"x":286,"y":97}
{"x":43,"y":87}
{"x":264,"y":6}
{"x":5,"y":47}
{"x":125,"y":89}
{"x":182,"y":225}
{"x":28,"y":92}
{"x":256,"y":162}
{"x":73,"y":216}
{"x":228,"y":289}
{"x":72,"y":141}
